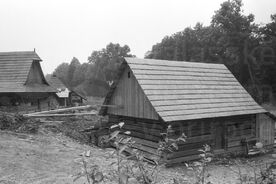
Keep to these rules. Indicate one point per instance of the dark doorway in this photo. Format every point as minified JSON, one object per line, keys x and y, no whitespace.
{"x":38,"y":105}
{"x":219,"y":135}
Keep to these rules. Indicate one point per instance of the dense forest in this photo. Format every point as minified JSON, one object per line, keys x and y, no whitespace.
{"x":232,"y":38}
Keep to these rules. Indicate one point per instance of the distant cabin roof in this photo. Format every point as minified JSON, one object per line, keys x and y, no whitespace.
{"x":62,"y":90}
{"x":180,"y":90}
{"x":14,"y":71}
{"x":55,"y":82}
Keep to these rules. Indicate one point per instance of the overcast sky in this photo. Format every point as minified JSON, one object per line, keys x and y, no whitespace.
{"x":63,"y":29}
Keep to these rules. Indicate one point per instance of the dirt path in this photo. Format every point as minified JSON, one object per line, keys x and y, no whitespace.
{"x":47,"y":158}
{"x":43,"y":158}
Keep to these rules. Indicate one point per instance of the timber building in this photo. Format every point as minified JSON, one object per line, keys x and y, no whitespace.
{"x":22,"y":83}
{"x":66,"y":97}
{"x":203,"y":100}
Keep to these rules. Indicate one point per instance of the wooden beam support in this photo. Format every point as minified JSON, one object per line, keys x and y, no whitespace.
{"x":60,"y":115}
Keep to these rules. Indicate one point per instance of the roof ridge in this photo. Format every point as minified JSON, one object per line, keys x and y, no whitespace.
{"x":20,"y":51}
{"x":171,"y":61}
{"x":19,"y":55}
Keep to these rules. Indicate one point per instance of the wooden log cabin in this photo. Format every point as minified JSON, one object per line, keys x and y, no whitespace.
{"x":204,"y":101}
{"x":65,"y":96}
{"x":23,"y":87}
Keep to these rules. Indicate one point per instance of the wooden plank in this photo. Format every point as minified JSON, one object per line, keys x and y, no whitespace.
{"x":178,"y":154}
{"x":195,"y":145}
{"x":239,"y":138}
{"x":208,"y":110}
{"x":202,"y":138}
{"x":142,"y":130}
{"x":156,"y":62}
{"x":200,"y":101}
{"x":212,"y":114}
{"x":147,"y":125}
{"x":190,"y":87}
{"x":194,"y":91}
{"x":183,"y":77}
{"x":151,"y":124}
{"x":187,"y":82}
{"x":175,"y":68}
{"x":237,"y":149}
{"x":196,"y":96}
{"x":142,"y":120}
{"x":247,"y":129}
{"x":203,"y":106}
{"x":144,"y":148}
{"x":241,"y":122}
{"x":148,"y":156}
{"x":234,"y":144}
{"x":145,"y":136}
{"x":143,"y":142}
{"x":62,"y":110}
{"x":181,"y":73}
{"x":60,"y":115}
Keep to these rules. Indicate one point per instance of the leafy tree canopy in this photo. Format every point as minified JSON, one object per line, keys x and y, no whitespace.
{"x":93,"y":77}
{"x":232,"y":38}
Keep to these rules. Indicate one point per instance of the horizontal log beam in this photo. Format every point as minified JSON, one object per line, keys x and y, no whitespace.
{"x":59,"y":115}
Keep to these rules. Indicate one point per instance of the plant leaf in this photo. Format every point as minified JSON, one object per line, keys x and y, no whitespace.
{"x":114,"y":134}
{"x":127,"y":132}
{"x":114,"y":126}
{"x":123,"y":148}
{"x":121,"y":124}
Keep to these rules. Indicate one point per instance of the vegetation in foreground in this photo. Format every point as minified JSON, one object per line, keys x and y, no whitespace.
{"x":132,"y":168}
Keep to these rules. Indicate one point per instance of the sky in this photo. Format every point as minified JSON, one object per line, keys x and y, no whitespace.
{"x":62,"y":29}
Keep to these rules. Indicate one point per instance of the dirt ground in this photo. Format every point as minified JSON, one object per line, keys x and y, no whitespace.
{"x":44,"y":158}
{"x":51,"y":157}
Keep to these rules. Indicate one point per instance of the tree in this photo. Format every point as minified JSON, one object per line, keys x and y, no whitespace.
{"x":93,"y":78}
{"x":80,"y":74}
{"x":266,"y":55}
{"x":236,"y":31}
{"x":232,"y":39}
{"x":107,"y":61}
{"x":73,"y":66}
{"x":62,"y":72}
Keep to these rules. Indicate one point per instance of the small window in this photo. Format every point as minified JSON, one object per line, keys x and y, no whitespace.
{"x":128,"y":74}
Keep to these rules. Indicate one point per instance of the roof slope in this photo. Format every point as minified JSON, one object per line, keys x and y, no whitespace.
{"x":188,"y":90}
{"x":62,"y":90}
{"x":55,"y":82}
{"x":14,"y":71}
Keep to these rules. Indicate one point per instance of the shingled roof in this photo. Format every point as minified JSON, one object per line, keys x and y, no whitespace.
{"x":14,"y":71}
{"x":55,"y":82}
{"x":180,"y":90}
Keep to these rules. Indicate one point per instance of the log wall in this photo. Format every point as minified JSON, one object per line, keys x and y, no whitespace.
{"x":199,"y":132}
{"x":238,"y":128}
